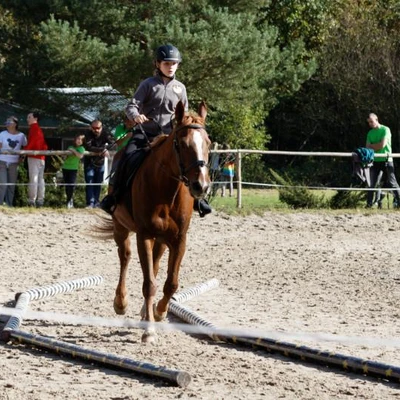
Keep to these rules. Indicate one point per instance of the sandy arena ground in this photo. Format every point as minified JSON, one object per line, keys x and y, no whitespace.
{"x":308,"y":273}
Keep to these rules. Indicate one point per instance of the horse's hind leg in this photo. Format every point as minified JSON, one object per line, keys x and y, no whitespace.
{"x":121,"y":237}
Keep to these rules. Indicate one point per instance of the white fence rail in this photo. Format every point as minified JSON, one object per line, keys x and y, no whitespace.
{"x":238,"y":160}
{"x":240,"y":152}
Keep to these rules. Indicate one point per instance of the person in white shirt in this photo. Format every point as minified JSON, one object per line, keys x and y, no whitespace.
{"x":10,"y":139}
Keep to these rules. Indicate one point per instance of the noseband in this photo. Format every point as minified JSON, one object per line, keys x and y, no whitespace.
{"x":198,"y":163}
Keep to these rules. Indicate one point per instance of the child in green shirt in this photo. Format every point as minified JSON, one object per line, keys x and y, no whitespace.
{"x":70,"y":168}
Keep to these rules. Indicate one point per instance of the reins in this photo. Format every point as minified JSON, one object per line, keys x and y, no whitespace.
{"x":198,"y":163}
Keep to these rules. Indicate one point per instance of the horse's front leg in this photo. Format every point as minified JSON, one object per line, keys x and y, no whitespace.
{"x":176,"y":253}
{"x":121,"y":237}
{"x":158,"y":251}
{"x":145,"y":251}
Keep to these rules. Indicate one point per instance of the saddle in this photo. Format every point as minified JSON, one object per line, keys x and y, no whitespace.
{"x":126,"y":171}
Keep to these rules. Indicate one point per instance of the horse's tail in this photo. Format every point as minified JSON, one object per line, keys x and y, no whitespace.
{"x":103,"y":229}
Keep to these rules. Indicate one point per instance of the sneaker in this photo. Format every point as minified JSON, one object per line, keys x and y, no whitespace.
{"x":91,"y":205}
{"x":31,"y":203}
{"x":70,"y":204}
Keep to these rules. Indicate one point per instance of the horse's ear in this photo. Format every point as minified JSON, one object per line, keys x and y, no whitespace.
{"x":179,"y":112}
{"x":203,"y":110}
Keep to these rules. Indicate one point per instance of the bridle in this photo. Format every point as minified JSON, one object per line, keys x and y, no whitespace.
{"x":199,"y":163}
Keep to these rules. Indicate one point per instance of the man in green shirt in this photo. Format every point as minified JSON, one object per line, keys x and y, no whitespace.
{"x":379,"y":138}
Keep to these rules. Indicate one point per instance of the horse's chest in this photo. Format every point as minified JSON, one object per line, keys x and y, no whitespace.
{"x":166,"y":226}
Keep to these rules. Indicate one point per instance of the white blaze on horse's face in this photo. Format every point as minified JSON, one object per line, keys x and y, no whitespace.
{"x":201,"y":149}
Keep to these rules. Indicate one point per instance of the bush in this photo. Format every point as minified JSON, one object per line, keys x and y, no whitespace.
{"x":346,"y":199}
{"x":296,"y":195}
{"x":21,"y":189}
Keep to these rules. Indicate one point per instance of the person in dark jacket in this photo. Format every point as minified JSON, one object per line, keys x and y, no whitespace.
{"x":96,"y":141}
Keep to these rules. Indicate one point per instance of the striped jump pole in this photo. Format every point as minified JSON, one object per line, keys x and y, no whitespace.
{"x":187,"y":294}
{"x":23,"y":299}
{"x":176,"y":377}
{"x":62,"y":287}
{"x":304,"y":353}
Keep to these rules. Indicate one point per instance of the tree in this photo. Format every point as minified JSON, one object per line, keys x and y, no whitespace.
{"x":362,"y":61}
{"x":231,"y":58}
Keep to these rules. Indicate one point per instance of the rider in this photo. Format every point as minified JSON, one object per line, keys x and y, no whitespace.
{"x":152,"y":108}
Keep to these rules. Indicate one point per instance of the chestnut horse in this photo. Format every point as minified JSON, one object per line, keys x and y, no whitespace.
{"x":159,"y":211}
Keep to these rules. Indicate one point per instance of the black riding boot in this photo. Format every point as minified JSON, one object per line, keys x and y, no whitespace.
{"x":108,"y":203}
{"x":202,"y":206}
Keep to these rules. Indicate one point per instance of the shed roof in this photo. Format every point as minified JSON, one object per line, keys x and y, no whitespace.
{"x":90,"y":103}
{"x":46,"y":122}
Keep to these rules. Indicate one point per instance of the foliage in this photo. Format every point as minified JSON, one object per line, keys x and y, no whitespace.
{"x":230,"y":58}
{"x":358,"y":73}
{"x":21,"y":189}
{"x":366,"y":54}
{"x":296,"y":195}
{"x":306,"y":20}
{"x":240,"y":127}
{"x":253,"y":169}
{"x":284,"y":74}
{"x":346,"y":199}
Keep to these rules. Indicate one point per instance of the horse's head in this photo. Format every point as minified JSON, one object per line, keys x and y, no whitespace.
{"x":192,"y":147}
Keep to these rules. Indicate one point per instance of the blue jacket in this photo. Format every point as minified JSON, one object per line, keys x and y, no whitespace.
{"x":365,"y":155}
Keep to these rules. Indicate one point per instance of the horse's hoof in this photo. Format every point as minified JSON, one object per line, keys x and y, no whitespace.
{"x":149,"y":336}
{"x":143,"y":312}
{"x":120,"y":309}
{"x":159,"y":316}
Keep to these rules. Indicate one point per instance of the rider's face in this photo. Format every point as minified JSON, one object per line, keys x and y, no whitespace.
{"x":168,"y":68}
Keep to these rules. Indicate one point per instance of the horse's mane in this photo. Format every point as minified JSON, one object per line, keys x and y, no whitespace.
{"x":190,"y":118}
{"x":160,"y":139}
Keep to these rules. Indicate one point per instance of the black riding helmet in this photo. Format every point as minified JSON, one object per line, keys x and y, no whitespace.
{"x":167,"y":52}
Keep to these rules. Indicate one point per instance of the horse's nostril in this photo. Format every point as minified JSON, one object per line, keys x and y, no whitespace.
{"x":196,"y":186}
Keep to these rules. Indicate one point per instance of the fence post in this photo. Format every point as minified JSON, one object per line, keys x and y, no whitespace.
{"x":239,"y":179}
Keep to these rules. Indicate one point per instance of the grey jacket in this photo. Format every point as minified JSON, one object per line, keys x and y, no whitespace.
{"x":157,"y":101}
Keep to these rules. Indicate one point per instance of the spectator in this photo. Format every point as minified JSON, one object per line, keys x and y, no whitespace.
{"x":10,"y":139}
{"x":36,"y":163}
{"x":70,"y":168}
{"x":97,"y":141}
{"x":215,"y":170}
{"x":123,"y":132}
{"x":379,"y":139}
{"x":122,"y":135}
{"x":228,"y":172}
